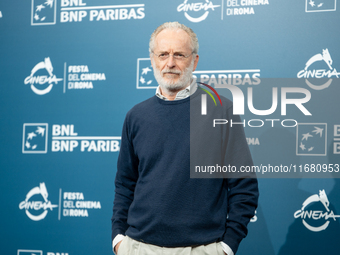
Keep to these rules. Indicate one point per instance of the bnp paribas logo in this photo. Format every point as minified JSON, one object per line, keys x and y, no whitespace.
{"x":311,"y":139}
{"x":29,"y":252}
{"x":320,"y":5}
{"x":43,"y":12}
{"x":145,"y":77}
{"x":204,"y":97}
{"x":35,"y":138}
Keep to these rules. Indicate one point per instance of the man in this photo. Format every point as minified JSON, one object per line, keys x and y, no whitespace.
{"x":158,"y":208}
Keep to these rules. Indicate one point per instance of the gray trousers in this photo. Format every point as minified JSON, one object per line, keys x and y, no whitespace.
{"x":130,"y":246}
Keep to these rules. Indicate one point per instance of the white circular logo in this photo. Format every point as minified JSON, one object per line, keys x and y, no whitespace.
{"x":196,"y":7}
{"x":307,"y":72}
{"x":37,"y":205}
{"x":42,"y":79}
{"x":316,"y":214}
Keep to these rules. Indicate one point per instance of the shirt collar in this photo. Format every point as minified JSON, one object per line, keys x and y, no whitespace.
{"x":184,"y":93}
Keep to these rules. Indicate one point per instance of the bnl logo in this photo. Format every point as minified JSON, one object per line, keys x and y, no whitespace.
{"x":36,"y":252}
{"x":311,"y":139}
{"x":29,"y":252}
{"x":145,"y":77}
{"x":320,"y":5}
{"x":43,"y":12}
{"x":34,"y":138}
{"x":204,"y":98}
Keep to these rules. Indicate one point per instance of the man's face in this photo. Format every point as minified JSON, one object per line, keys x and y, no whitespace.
{"x":173,"y":74}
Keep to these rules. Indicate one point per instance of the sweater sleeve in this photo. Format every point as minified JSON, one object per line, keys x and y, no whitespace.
{"x":126,"y":178}
{"x":242,"y":188}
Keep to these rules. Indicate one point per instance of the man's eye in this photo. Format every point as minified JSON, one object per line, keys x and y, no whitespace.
{"x":164,"y":55}
{"x":178,"y":55}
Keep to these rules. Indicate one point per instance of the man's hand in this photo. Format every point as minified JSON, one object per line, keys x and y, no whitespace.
{"x":117,"y":246}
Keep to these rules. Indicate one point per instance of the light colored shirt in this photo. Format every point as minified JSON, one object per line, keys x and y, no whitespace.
{"x":184,"y":93}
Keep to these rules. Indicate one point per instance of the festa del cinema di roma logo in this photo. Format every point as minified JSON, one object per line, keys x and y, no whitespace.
{"x":76,"y":77}
{"x":318,"y":62}
{"x":30,"y":205}
{"x":316,"y":215}
{"x":42,"y":78}
{"x":71,"y":204}
{"x":198,"y":8}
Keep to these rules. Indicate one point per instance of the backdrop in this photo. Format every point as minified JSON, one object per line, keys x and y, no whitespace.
{"x":71,"y":69}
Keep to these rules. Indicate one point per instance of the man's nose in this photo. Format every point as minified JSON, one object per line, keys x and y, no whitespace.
{"x":171,"y":61}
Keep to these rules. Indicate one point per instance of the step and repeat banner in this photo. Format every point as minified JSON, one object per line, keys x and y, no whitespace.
{"x":71,"y":69}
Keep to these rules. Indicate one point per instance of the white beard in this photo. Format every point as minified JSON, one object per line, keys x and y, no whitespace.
{"x":172,"y":86}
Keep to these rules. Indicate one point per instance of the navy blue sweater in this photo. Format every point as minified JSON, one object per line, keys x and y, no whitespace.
{"x":156,"y":201}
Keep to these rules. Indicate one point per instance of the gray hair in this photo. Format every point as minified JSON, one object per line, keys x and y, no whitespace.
{"x":174,"y":26}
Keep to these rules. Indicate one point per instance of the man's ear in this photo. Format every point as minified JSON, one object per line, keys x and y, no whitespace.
{"x":196,"y":62}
